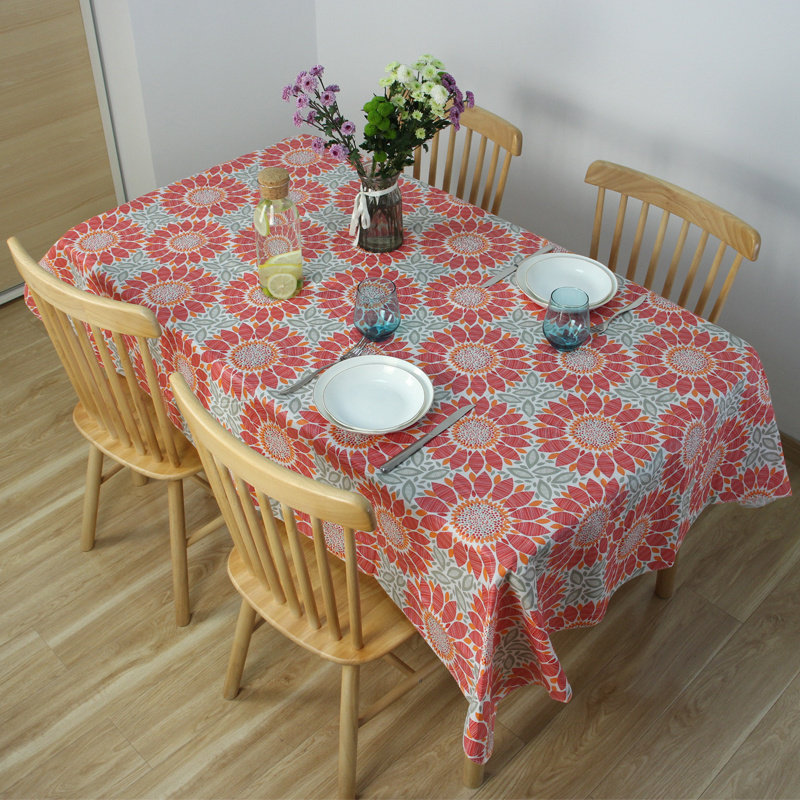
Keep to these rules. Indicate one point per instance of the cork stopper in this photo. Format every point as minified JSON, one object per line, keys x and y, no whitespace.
{"x":273,"y":183}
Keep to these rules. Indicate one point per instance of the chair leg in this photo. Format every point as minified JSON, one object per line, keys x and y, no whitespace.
{"x":473,"y":774}
{"x":137,"y":479}
{"x":177,"y":540}
{"x":665,"y":581}
{"x":241,"y":643}
{"x":91,"y":498}
{"x":348,"y":731}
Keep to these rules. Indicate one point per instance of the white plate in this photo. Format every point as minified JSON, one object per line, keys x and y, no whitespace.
{"x":538,"y":276}
{"x":373,"y":394}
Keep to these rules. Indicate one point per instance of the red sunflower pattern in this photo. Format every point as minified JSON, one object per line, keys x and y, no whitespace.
{"x":492,"y":436}
{"x":583,"y":515}
{"x":207,"y":195}
{"x":297,"y":156}
{"x":689,"y":361}
{"x":309,"y":195}
{"x":59,"y":266}
{"x":139,"y":203}
{"x":435,"y":614}
{"x":399,"y":534}
{"x":247,"y":357}
{"x":598,"y":435}
{"x":477,"y":244}
{"x":756,"y":405}
{"x":173,"y":293}
{"x":179,"y":355}
{"x":664,"y":313}
{"x":486,"y":524}
{"x":601,"y":364}
{"x":646,"y":536}
{"x":687,"y":428}
{"x":459,"y":297}
{"x":450,"y":206}
{"x":342,"y":247}
{"x":757,"y":487}
{"x":102,"y":240}
{"x":246,"y":301}
{"x":337,"y":295}
{"x":273,"y":435}
{"x":187,"y":242}
{"x":475,"y":360}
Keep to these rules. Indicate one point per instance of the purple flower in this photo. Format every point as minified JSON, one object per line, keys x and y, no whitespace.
{"x":288,"y":91}
{"x":454,"y":117}
{"x":327,"y":98}
{"x":339,"y":152}
{"x":302,"y":101}
{"x":332,"y":88}
{"x":308,"y":82}
{"x":318,"y":145}
{"x":348,"y":129}
{"x":299,"y":78}
{"x":297,"y":118}
{"x":312,"y":116}
{"x":457,"y":94}
{"x":470,"y":99}
{"x":448,"y":81}
{"x":317,"y":70}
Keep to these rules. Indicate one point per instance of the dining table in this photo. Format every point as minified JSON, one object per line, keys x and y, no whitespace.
{"x":573,"y":473}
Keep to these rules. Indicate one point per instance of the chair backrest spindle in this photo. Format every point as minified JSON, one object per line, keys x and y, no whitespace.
{"x":506,"y":139}
{"x":302,"y":577}
{"x":699,"y":218}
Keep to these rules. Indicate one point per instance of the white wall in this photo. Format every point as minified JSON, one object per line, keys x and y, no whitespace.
{"x":703,"y":93}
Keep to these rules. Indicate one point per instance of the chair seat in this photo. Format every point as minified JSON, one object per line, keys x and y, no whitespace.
{"x":144,"y":463}
{"x":385,"y":627}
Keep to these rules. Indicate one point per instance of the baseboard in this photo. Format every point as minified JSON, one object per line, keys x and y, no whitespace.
{"x":791,"y":448}
{"x":12,"y":293}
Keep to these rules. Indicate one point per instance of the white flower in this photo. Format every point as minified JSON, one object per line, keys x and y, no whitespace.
{"x":420,"y":133}
{"x":404,"y":74}
{"x":397,"y":100}
{"x":438,"y":111}
{"x":392,"y":66}
{"x":417,"y":115}
{"x":439,"y":95}
{"x":420,"y":65}
{"x":414,"y":85}
{"x":386,"y":82}
{"x":436,"y":63}
{"x":429,"y":72}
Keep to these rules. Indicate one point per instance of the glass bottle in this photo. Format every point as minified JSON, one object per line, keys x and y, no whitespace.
{"x":279,"y":252}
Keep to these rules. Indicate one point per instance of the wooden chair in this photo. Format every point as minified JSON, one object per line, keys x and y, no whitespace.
{"x":506,"y":139}
{"x":709,"y":220}
{"x":103,"y":346}
{"x":320,"y":602}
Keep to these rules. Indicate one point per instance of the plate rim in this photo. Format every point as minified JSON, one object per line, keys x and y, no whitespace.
{"x":375,"y":358}
{"x":526,"y":264}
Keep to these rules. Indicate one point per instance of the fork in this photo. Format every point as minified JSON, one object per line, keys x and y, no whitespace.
{"x":356,"y":350}
{"x":601,"y":326}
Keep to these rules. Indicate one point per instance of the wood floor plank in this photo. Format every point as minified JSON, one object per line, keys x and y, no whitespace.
{"x":716,"y":712}
{"x":766,"y":763}
{"x":104,"y":763}
{"x":577,"y":749}
{"x":26,"y":664}
{"x":733,"y":560}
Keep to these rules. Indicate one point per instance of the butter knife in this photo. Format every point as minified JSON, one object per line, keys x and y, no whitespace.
{"x":509,"y":272}
{"x":423,"y":440}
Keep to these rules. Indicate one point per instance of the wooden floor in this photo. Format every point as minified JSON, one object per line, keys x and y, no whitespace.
{"x":101,"y":696}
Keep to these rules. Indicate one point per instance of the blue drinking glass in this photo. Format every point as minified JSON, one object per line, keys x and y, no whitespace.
{"x":377,"y":310}
{"x":566,"y":323}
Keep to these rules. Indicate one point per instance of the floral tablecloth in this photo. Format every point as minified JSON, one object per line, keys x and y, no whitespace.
{"x":574,"y":473}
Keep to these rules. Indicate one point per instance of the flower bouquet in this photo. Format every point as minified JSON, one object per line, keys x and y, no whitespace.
{"x":417,"y":102}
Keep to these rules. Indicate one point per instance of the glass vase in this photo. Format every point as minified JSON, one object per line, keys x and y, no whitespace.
{"x":385,"y":206}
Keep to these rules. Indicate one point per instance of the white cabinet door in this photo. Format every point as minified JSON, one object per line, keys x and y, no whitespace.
{"x":55,"y":140}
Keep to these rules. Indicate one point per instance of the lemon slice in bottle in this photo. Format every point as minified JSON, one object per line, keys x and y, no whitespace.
{"x":261,"y":220}
{"x":282,"y":285}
